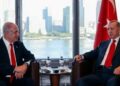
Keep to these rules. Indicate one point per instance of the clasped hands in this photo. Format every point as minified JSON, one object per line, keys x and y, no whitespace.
{"x":19,"y":71}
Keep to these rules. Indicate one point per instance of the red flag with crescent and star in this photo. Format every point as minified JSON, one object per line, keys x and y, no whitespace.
{"x":107,"y":13}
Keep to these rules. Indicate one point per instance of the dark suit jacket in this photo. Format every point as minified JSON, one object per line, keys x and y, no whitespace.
{"x":22,"y":56}
{"x":99,"y":52}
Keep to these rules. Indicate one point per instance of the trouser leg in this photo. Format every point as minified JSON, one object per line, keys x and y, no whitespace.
{"x":90,"y":80}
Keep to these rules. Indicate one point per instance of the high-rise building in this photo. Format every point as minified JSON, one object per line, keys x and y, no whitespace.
{"x":58,"y":28}
{"x":9,"y":16}
{"x":48,"y":20}
{"x":98,"y":10}
{"x":81,"y":13}
{"x":27,"y":23}
{"x":66,"y":19}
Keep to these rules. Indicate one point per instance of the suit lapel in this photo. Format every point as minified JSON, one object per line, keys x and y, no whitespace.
{"x":104,"y":48}
{"x":4,"y":51}
{"x":16,"y":51}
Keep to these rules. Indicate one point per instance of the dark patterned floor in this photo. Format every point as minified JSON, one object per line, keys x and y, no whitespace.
{"x":64,"y":80}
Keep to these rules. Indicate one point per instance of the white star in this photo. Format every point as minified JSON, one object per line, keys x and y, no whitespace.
{"x":108,"y":21}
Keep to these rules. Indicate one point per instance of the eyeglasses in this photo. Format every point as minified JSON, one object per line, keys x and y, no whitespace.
{"x":14,"y":32}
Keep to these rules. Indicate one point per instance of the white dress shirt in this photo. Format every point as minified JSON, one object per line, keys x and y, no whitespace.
{"x":7,"y":44}
{"x":105,"y":56}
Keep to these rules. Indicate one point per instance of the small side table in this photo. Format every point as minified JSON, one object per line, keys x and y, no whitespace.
{"x":55,"y":79}
{"x":54,"y":74}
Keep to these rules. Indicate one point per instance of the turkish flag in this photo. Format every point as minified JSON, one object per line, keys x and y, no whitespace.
{"x":107,"y":13}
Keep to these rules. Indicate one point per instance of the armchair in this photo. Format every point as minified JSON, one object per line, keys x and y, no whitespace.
{"x":80,"y":70}
{"x":33,"y":72}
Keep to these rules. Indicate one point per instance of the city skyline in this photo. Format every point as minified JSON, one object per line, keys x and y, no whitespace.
{"x":89,"y":12}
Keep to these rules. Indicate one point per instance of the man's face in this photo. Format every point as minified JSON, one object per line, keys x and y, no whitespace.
{"x":13,"y":33}
{"x":113,"y":30}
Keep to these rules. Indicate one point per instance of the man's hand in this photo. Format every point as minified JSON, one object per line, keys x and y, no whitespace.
{"x":78,"y":58}
{"x":20,"y":71}
{"x":19,"y":75}
{"x":117,"y":71}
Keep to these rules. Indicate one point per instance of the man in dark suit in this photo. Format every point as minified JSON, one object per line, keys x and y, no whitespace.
{"x":107,"y":56}
{"x":2,"y":83}
{"x":14,"y":57}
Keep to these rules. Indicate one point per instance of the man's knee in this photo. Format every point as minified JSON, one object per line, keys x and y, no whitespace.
{"x":23,"y":82}
{"x":81,"y":82}
{"x":2,"y":83}
{"x":29,"y":82}
{"x":114,"y":81}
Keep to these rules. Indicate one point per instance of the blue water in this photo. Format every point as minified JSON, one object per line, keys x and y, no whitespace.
{"x":54,"y":48}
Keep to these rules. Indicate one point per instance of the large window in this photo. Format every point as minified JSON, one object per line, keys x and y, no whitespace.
{"x":7,"y":12}
{"x":47,"y":27}
{"x":89,"y":13}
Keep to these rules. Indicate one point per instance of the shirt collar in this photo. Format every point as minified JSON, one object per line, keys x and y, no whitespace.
{"x":116,"y":40}
{"x":7,"y":43}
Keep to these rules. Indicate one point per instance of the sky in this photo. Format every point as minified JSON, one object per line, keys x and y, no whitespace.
{"x":33,"y":8}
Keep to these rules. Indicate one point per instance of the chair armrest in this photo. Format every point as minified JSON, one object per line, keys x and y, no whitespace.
{"x":35,"y":73}
{"x":75,"y":72}
{"x":80,"y":70}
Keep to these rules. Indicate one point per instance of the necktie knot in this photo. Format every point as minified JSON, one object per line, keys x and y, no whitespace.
{"x":114,"y":41}
{"x":11,"y":45}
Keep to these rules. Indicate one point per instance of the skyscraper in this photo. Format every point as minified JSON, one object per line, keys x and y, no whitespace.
{"x":66,"y":19}
{"x":48,"y":20}
{"x":27,"y":23}
{"x":98,"y":10}
{"x":81,"y":13}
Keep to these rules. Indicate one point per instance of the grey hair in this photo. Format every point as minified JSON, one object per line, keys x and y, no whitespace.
{"x":7,"y":26}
